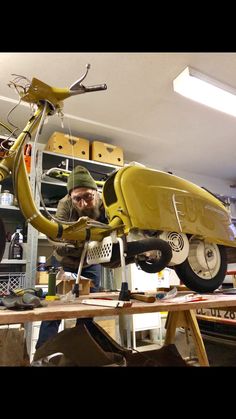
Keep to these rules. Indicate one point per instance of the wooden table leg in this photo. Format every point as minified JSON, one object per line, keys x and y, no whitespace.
{"x":187,"y":319}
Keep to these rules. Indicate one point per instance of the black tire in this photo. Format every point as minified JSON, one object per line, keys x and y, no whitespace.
{"x":3,"y":239}
{"x":196,"y":282}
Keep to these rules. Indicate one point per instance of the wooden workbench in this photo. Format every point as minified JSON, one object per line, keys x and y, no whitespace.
{"x":65,"y":310}
{"x":180,"y":314}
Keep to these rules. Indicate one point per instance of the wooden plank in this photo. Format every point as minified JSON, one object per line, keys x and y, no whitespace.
{"x":64,"y":310}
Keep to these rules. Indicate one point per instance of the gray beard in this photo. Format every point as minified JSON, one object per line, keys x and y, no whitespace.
{"x":93,"y":213}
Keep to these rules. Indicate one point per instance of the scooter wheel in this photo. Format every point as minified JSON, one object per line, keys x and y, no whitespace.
{"x":205,"y":268}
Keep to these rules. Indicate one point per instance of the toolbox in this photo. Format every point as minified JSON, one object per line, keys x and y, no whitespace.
{"x":66,"y":285}
{"x":107,"y":153}
{"x":68,"y":144}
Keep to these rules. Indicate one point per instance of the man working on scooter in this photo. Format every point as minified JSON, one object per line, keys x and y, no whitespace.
{"x":83,"y":199}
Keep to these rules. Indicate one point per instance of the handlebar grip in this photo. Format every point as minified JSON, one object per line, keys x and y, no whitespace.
{"x":95,"y":88}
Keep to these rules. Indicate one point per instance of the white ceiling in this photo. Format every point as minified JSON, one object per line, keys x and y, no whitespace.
{"x":139,"y":111}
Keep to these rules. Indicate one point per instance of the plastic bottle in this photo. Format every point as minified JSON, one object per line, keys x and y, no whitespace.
{"x":18,"y":231}
{"x":42,"y":264}
{"x":15,"y":248}
{"x":6,"y":198}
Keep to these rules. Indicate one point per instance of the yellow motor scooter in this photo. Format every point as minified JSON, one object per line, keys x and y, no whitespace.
{"x":155,"y":219}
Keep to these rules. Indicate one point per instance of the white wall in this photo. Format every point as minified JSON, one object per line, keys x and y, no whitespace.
{"x":213,"y":184}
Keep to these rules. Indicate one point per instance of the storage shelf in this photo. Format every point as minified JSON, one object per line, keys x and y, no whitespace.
{"x":97,"y":169}
{"x":51,"y":181}
{"x":13,"y":261}
{"x":9,"y":207}
{"x":85,"y":161}
{"x":48,"y":209}
{"x":42,"y":236}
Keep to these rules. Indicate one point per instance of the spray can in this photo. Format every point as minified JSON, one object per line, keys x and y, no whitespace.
{"x":52,"y":281}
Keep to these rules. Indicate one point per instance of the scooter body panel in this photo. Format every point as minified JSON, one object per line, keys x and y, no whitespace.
{"x":149,"y":199}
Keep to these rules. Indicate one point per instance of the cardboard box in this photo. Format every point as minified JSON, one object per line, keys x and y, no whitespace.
{"x":69,"y":145}
{"x":66,"y":285}
{"x":109,"y":326}
{"x":42,"y":277}
{"x":107,"y":153}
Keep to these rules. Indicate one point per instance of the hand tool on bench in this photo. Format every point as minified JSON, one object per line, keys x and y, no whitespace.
{"x":142,"y":297}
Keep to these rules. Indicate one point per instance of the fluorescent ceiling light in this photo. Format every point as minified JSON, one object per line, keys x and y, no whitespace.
{"x":196,"y":86}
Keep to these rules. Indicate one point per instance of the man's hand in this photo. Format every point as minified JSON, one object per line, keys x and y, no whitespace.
{"x":152,"y":254}
{"x":84,"y":219}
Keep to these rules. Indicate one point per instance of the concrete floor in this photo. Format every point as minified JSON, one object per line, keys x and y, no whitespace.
{"x":220,"y":354}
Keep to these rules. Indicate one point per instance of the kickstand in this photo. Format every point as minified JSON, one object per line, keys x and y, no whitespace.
{"x":76,"y":286}
{"x":124,"y":292}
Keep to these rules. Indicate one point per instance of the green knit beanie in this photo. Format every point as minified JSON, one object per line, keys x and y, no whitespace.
{"x":80,"y":178}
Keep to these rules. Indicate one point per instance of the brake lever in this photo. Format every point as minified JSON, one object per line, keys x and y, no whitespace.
{"x":77,"y":84}
{"x":79,"y":88}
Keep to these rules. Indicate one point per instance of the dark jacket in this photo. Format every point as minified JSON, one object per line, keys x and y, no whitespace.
{"x":69,"y":257}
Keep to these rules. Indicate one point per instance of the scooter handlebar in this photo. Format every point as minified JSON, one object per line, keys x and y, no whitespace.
{"x":80,"y":89}
{"x":95,"y":88}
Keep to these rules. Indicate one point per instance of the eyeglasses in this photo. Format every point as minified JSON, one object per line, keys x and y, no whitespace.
{"x":88,"y":197}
